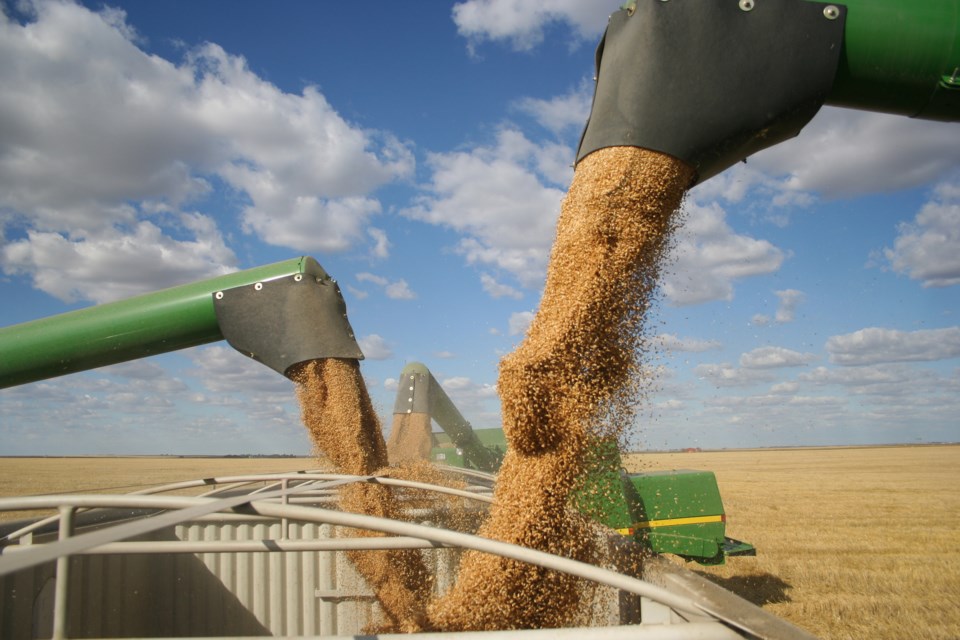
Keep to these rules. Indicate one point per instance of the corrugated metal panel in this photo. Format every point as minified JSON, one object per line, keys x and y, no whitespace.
{"x":216,"y":594}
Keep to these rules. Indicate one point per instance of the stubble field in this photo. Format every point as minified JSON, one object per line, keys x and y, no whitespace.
{"x":852,"y":543}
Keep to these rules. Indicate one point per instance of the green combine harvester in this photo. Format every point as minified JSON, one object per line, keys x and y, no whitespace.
{"x":710,"y":82}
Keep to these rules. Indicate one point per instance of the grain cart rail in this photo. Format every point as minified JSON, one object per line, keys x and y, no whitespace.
{"x":264,"y":555}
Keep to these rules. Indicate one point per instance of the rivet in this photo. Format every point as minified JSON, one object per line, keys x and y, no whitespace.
{"x":831,"y":12}
{"x":219,"y":295}
{"x":258,"y":286}
{"x":746,"y":5}
{"x":298,"y":277}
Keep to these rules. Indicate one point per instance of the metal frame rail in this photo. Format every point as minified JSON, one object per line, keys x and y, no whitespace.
{"x":273,"y":501}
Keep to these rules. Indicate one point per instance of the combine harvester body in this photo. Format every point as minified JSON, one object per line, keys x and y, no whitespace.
{"x":707,"y":81}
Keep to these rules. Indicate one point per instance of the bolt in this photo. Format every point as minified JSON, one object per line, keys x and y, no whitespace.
{"x":746,"y":5}
{"x":831,"y":12}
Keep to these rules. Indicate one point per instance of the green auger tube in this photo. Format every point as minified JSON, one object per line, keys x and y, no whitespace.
{"x":278,"y":314}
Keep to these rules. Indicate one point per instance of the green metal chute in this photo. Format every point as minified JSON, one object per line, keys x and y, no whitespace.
{"x":712,"y":82}
{"x":278,"y":314}
{"x":420,"y":394}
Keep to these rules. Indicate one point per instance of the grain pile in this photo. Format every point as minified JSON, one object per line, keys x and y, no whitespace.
{"x":575,"y":377}
{"x":337,"y":411}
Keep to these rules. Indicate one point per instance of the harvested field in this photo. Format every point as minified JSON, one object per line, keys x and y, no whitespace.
{"x":39,"y":476}
{"x":851,"y":542}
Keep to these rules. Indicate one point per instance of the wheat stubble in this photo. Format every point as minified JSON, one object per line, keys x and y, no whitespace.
{"x":574,"y":377}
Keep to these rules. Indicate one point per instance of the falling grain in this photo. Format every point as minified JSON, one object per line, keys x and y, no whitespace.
{"x":573,"y":379}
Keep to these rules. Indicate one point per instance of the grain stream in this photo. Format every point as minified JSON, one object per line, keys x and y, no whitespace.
{"x":344,"y":427}
{"x":575,"y":378}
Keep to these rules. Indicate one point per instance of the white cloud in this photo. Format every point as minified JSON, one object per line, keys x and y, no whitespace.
{"x":224,"y":370}
{"x":78,"y":98}
{"x":519,"y":322}
{"x":522,"y":22}
{"x":109,"y":264}
{"x":671,"y":342}
{"x":708,"y":256}
{"x":875,"y":345}
{"x":844,"y":153}
{"x":374,"y":347}
{"x":497,"y":289}
{"x":393,"y":289}
{"x":928,"y":249}
{"x":726,"y":375}
{"x":399,"y":290}
{"x":774,"y":357}
{"x":499,"y":200}
{"x":790,"y":299}
{"x":381,"y":244}
{"x":561,"y":113}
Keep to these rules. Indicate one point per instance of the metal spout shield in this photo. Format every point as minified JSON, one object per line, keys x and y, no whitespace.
{"x":711,"y":82}
{"x":288,"y":320}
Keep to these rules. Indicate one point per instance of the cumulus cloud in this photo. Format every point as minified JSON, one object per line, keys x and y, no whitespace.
{"x":496,"y":289}
{"x":522,"y":22}
{"x":503,"y":201}
{"x":381,"y":243}
{"x":148,"y":135}
{"x":671,"y":342}
{"x":709,"y":256}
{"x":875,"y":345}
{"x":561,"y":113}
{"x":519,"y":322}
{"x":774,"y":358}
{"x":223,"y":369}
{"x":110,"y":264}
{"x":726,"y":375}
{"x":790,"y":299}
{"x":393,"y":289}
{"x":374,"y":347}
{"x":928,"y":249}
{"x":844,"y":153}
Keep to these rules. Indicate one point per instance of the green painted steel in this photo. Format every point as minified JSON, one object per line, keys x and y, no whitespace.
{"x":138,"y":327}
{"x":902,"y":57}
{"x":606,"y":494}
{"x":681,"y":513}
{"x":429,"y":397}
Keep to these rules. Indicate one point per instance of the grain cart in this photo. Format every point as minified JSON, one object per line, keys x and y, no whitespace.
{"x":707,"y":81}
{"x":266,"y":555}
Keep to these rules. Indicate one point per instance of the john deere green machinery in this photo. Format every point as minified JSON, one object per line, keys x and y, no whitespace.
{"x":712,"y":82}
{"x":279,"y":314}
{"x":709,"y":82}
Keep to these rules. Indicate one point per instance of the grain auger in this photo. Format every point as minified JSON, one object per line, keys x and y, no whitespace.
{"x":711,"y":83}
{"x":279,"y":314}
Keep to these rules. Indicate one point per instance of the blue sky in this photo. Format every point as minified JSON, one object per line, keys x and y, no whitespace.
{"x":420,"y":151}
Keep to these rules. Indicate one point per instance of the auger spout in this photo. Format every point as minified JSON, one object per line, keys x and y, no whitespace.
{"x":278,"y":314}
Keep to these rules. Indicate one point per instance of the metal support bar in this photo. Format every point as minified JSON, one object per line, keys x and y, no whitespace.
{"x":62,"y":591}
